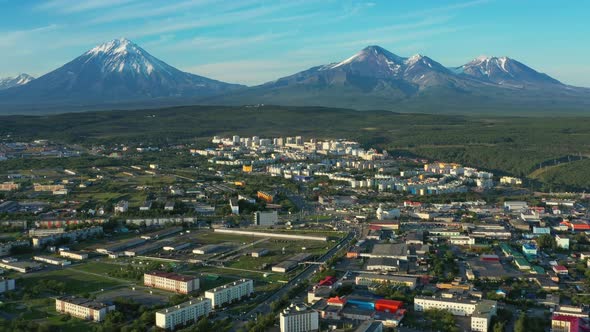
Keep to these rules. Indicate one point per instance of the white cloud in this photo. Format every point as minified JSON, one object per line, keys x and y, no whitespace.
{"x":219,"y":43}
{"x":147,"y":10}
{"x":447,"y":8}
{"x":75,"y":6}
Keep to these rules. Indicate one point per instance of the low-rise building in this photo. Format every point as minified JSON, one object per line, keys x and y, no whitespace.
{"x":82,"y":233}
{"x":285,"y":266}
{"x":561,"y":323}
{"x":9,"y":186}
{"x":83,"y":308}
{"x":183,"y":314}
{"x":299,"y":318}
{"x":462,"y":240}
{"x":121,"y":207}
{"x":6,"y":285}
{"x":21,"y":266}
{"x":234,"y":206}
{"x":372,"y":279}
{"x":120,"y":246}
{"x":169,"y":206}
{"x":256,"y":253}
{"x":529,"y":249}
{"x":562,"y":241}
{"x":481,"y":311}
{"x":146,"y":206}
{"x":48,"y":187}
{"x":383,"y":264}
{"x":73,"y":255}
{"x":6,"y":248}
{"x":230,"y":292}
{"x":161,"y":233}
{"x":52,"y":260}
{"x":171,"y":282}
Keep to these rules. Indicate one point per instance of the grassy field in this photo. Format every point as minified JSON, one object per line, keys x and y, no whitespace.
{"x":213,"y":238}
{"x":76,"y":282}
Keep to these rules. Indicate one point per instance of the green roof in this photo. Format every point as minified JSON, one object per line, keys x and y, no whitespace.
{"x":522,"y":263}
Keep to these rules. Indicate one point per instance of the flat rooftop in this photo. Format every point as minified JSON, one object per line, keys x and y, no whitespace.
{"x":170,"y":275}
{"x":182,"y":305}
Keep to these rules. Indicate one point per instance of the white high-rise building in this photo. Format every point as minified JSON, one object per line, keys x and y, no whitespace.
{"x":299,"y":318}
{"x":230,"y":292}
{"x":183,"y":314}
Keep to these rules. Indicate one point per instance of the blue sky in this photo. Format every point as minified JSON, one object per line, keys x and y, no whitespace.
{"x":254,"y":41}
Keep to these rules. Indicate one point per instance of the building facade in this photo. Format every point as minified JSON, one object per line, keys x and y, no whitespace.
{"x":83,"y":308}
{"x":299,"y":318}
{"x":6,"y":285}
{"x":230,"y":292}
{"x":481,"y":311}
{"x":266,"y":218}
{"x":171,"y":282}
{"x":183,"y":314}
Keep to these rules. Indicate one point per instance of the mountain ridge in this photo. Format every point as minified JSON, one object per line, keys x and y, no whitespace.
{"x":115,"y":71}
{"x":10,"y":82}
{"x":120,"y":71}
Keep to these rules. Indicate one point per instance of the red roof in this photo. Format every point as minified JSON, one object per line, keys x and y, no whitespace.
{"x":388,"y":305}
{"x":328,"y":281}
{"x":564,"y":318}
{"x":337,"y":300}
{"x":559,"y":268}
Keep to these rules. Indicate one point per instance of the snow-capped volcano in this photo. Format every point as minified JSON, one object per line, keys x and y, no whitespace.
{"x":375,"y":67}
{"x":19,"y":80}
{"x":118,"y":70}
{"x":372,"y":60}
{"x":375,"y":78}
{"x":122,"y":55}
{"x":504,"y":70}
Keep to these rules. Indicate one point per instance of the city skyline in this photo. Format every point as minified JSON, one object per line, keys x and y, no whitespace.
{"x":252,"y":42}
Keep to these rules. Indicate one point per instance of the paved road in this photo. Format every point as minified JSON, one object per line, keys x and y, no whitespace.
{"x":264,"y":307}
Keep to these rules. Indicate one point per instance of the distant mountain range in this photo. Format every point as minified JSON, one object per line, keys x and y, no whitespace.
{"x":116,"y":71}
{"x":19,"y":80}
{"x":122,"y":72}
{"x":375,"y":78}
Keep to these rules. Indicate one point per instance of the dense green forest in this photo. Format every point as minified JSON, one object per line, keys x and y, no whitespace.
{"x":522,"y":146}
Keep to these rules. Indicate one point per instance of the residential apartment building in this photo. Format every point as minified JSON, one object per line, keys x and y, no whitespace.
{"x":299,"y":318}
{"x":230,"y":292}
{"x":48,"y":187}
{"x":266,"y":218}
{"x":6,"y":285}
{"x":561,"y":323}
{"x":82,"y":308}
{"x":171,"y":282}
{"x":183,"y":314}
{"x":9,"y":186}
{"x":75,"y":235}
